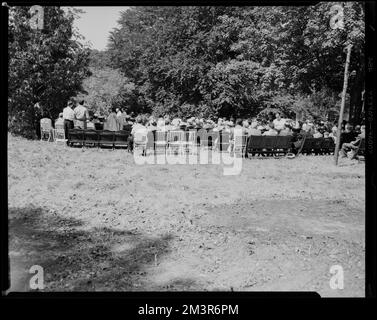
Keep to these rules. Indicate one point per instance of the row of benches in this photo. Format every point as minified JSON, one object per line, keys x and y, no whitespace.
{"x":97,"y":138}
{"x":250,"y":145}
{"x":284,"y":145}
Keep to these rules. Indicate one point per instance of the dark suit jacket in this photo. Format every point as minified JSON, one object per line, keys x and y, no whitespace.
{"x":347,"y":137}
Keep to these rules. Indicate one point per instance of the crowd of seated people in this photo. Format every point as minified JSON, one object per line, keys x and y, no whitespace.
{"x":273,"y":125}
{"x":255,"y":127}
{"x":248,"y":127}
{"x":354,"y":137}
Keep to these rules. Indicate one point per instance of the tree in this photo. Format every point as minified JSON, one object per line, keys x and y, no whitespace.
{"x":103,"y":88}
{"x":236,"y":61}
{"x":99,"y":59}
{"x":45,"y":66}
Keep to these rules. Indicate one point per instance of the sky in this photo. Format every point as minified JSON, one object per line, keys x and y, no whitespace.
{"x":96,"y":23}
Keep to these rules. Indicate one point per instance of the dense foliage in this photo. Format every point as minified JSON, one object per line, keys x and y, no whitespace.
{"x":45,"y":66}
{"x":188,"y":61}
{"x":236,"y":60}
{"x":103,"y":89}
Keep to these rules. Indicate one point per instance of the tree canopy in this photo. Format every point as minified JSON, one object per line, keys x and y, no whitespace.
{"x":235,"y":60}
{"x":45,"y":66}
{"x":189,"y":61}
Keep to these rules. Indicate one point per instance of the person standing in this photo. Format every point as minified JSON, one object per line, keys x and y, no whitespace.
{"x":123,"y":119}
{"x":37,"y":116}
{"x":119,"y":112}
{"x":81,"y":115}
{"x":68,"y":116}
{"x":112,"y":122}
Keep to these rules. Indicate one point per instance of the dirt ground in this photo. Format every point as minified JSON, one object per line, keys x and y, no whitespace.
{"x":96,"y":221}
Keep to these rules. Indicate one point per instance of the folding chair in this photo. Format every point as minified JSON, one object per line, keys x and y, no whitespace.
{"x":59,"y":134}
{"x":140,"y":141}
{"x":59,"y":126}
{"x":46,"y":129}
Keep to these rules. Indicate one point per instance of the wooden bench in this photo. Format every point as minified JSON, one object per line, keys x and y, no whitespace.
{"x":90,"y":138}
{"x":75,"y":137}
{"x":121,"y":138}
{"x":328,"y":146}
{"x":106,"y":138}
{"x":312,"y":145}
{"x":98,"y":138}
{"x":269,"y":145}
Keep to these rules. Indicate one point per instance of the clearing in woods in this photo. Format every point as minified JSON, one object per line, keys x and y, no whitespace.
{"x":94,"y":220}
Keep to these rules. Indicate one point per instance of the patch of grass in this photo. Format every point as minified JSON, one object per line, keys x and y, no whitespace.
{"x":75,"y":259}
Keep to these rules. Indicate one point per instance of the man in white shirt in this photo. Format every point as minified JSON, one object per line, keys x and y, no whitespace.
{"x":279,"y":123}
{"x":68,"y":116}
{"x":81,"y":114}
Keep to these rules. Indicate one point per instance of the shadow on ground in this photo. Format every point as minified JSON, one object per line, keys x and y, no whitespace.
{"x":79,"y":259}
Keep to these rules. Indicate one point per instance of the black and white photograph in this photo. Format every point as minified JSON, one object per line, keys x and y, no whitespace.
{"x":187,"y":148}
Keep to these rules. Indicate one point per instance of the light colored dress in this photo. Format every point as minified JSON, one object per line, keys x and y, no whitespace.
{"x":112,"y":123}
